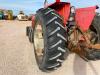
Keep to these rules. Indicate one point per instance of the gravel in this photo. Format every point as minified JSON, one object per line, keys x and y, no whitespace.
{"x":17,"y":54}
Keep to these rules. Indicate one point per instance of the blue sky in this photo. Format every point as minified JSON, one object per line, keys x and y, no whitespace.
{"x":30,"y":6}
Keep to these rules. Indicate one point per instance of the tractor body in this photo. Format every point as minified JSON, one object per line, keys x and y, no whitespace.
{"x":83,"y":16}
{"x":21,"y":16}
{"x":59,"y":28}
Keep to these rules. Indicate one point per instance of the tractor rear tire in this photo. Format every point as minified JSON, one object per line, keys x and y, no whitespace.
{"x":55,"y":39}
{"x":95,"y":54}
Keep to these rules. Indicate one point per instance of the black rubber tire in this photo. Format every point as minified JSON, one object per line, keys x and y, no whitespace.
{"x":93,"y":54}
{"x":55,"y":39}
{"x":27,"y":30}
{"x":30,"y":34}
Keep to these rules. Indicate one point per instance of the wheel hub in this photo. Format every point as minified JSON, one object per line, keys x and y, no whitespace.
{"x":38,"y":41}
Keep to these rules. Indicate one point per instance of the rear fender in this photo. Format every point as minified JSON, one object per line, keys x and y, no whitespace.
{"x":33,"y":20}
{"x":84,"y":17}
{"x":63,"y":9}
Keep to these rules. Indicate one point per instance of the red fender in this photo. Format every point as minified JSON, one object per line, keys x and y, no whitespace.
{"x":57,"y":0}
{"x":63,"y":8}
{"x":33,"y":19}
{"x":84,"y":17}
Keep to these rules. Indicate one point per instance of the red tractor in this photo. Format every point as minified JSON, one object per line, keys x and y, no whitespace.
{"x":59,"y":29}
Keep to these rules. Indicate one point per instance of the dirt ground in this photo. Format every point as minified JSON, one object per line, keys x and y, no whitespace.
{"x":17,"y":54}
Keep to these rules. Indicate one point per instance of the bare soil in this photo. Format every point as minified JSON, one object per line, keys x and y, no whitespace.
{"x":17,"y":54}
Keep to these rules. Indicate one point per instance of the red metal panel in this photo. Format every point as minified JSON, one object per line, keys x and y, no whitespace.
{"x":65,"y":12}
{"x":84,"y":17}
{"x":57,"y":0}
{"x":63,"y":8}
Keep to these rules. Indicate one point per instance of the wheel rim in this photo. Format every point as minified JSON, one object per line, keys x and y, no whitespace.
{"x":38,"y":42}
